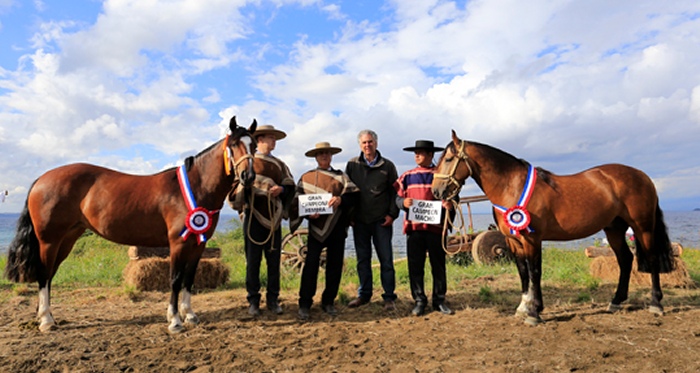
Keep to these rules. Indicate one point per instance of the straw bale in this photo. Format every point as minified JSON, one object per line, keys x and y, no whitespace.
{"x":154,"y":274}
{"x":607,"y":269}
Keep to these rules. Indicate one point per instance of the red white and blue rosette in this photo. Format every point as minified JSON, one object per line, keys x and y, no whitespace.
{"x":517,"y":218}
{"x":199,"y":219}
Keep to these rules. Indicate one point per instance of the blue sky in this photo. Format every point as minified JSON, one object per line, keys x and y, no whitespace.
{"x":139,"y":85}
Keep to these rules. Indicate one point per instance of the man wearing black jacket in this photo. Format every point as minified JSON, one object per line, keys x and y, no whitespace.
{"x":374,"y":216}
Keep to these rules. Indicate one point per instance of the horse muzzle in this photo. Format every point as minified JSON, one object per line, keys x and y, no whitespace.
{"x":247,"y":177}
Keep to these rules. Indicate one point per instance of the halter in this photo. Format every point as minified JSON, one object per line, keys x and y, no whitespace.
{"x":229,"y":162}
{"x":461,"y":155}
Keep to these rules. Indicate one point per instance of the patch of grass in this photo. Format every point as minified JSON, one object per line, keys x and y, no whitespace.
{"x":485,"y":294}
{"x":97,"y":262}
{"x":94,"y":261}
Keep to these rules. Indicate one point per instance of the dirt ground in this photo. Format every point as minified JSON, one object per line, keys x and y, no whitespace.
{"x":104,"y":330}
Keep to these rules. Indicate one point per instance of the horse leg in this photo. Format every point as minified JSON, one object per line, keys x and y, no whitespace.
{"x":646,"y":241}
{"x":176,"y":277}
{"x":185,"y":306}
{"x":533,"y":299}
{"x":618,"y":243}
{"x":46,"y":320}
{"x":520,"y":262}
{"x":52,"y":259}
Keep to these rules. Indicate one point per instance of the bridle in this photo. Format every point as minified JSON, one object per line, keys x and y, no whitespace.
{"x":461,"y":156}
{"x":448,"y":224}
{"x":231,"y":163}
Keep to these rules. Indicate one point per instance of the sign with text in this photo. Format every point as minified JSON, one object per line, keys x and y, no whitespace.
{"x":310,"y":204}
{"x":425,"y":211}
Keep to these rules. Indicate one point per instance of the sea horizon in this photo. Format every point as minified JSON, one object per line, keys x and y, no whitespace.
{"x":683,"y":228}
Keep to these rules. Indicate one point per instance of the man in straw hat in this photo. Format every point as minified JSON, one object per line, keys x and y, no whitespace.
{"x":263,"y":211}
{"x":413,"y":188}
{"x":375,"y":214}
{"x":326,"y":229}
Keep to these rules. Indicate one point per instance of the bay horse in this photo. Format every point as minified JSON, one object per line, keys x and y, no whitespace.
{"x":532,"y":205}
{"x":177,"y":207}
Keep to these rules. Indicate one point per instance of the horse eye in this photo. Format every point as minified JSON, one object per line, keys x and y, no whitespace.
{"x":449,"y":159}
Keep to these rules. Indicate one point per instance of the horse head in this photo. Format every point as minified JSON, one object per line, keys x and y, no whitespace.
{"x":450,"y":173}
{"x":242,"y":144}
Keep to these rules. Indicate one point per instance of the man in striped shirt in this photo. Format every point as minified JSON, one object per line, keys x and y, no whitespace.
{"x":413,"y":188}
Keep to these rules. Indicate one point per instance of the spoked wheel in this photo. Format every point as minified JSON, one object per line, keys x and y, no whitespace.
{"x":294,"y":249}
{"x":490,"y":247}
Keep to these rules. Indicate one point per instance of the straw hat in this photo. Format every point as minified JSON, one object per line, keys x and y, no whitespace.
{"x":322,"y":146}
{"x":268,"y":129}
{"x":426,"y":145}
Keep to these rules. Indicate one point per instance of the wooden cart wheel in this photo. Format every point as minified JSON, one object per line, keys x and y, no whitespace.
{"x":294,"y":249}
{"x":489,"y":247}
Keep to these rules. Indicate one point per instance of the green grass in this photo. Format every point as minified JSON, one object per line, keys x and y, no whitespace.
{"x":97,"y":262}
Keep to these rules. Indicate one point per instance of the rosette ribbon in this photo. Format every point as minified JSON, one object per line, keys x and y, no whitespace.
{"x":199,"y":219}
{"x":517,"y":218}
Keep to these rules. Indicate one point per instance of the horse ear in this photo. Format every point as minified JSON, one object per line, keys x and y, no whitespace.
{"x":253,"y":127}
{"x":455,"y":139}
{"x":232,"y":124}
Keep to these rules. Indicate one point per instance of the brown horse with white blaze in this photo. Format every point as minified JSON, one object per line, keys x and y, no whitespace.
{"x":177,"y":207}
{"x":532,"y":205}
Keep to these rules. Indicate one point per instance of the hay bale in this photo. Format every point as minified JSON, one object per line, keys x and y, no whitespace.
{"x":607,"y":269}
{"x":154,"y":274}
{"x":143,"y":252}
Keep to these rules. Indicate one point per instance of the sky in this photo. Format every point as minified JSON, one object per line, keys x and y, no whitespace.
{"x":138,"y":85}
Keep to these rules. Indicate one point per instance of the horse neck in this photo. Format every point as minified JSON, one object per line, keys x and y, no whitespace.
{"x":500,"y":175}
{"x":208,"y":179}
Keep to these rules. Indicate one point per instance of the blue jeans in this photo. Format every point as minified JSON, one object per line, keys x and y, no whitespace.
{"x":364,"y":235}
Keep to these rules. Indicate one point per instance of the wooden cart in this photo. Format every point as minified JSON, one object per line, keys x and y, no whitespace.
{"x":486,"y":247}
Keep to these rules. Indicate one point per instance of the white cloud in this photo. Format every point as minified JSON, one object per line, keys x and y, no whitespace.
{"x":566,"y":85}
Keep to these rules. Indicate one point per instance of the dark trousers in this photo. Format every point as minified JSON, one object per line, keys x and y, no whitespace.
{"x":364,"y":235}
{"x":335,"y":253}
{"x":253,"y":256}
{"x":418,"y":244}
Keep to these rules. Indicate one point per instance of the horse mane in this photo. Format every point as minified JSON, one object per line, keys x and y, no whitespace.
{"x":504,"y":162}
{"x":189,"y":161}
{"x":237,"y":133}
{"x":545,"y":176}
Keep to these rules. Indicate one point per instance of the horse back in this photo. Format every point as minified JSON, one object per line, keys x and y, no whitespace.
{"x":121,"y":207}
{"x":578,"y":205}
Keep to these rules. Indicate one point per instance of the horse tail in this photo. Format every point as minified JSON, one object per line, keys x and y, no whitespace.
{"x":23,"y":261}
{"x":661,"y":254}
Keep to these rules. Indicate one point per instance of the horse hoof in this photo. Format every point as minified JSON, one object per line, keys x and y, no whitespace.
{"x":45,"y":328}
{"x":656,"y":310}
{"x":176,"y":329}
{"x":520,"y":314}
{"x":191,"y":320}
{"x":533,"y":321}
{"x":612,"y":308}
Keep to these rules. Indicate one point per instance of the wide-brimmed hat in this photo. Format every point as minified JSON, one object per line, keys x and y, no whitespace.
{"x":426,"y":145}
{"x":321,"y":147}
{"x":268,"y":129}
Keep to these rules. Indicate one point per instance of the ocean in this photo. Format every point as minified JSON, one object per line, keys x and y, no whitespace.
{"x":683,"y":227}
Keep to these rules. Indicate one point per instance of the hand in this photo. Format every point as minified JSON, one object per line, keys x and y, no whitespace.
{"x":314,"y":216}
{"x":334,"y":202}
{"x":276,"y":190}
{"x":388,"y":220}
{"x":407,"y":202}
{"x":447,"y":205}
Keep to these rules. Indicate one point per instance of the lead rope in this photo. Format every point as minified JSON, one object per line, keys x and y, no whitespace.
{"x":461,"y":235}
{"x":272,"y":223}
